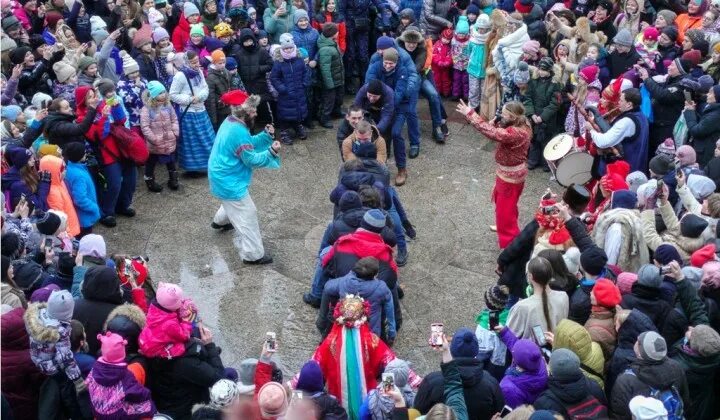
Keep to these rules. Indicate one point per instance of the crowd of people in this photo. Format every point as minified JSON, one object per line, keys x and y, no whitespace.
{"x":606,"y":303}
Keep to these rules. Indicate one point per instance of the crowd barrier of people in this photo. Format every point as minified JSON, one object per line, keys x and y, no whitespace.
{"x":606,"y":303}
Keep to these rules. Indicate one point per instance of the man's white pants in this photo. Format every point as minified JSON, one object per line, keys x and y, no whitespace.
{"x":243,"y":216}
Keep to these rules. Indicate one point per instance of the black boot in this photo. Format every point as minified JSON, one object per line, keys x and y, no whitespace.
{"x":173,"y":183}
{"x":285,"y":137}
{"x":153,"y":186}
{"x":302,"y":134}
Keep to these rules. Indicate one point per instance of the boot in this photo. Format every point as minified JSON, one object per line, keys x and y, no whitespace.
{"x":401,"y":177}
{"x":444,"y":127}
{"x":438,"y":135}
{"x":409,"y":229}
{"x":414,"y":151}
{"x":302,"y":134}
{"x":401,"y":257}
{"x":324,"y":123}
{"x":152,"y":186}
{"x":285,"y":137}
{"x":173,"y":180}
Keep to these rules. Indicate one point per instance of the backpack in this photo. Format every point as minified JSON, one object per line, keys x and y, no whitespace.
{"x":589,"y":408}
{"x":670,"y":397}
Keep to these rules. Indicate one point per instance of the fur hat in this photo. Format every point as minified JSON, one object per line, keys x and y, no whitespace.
{"x":129,"y":64}
{"x":412,"y":35}
{"x":169,"y":296}
{"x":112,"y":347}
{"x":652,"y":346}
{"x":329,"y":30}
{"x":60,"y":305}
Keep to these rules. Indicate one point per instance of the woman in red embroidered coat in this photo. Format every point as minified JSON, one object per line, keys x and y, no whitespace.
{"x":512,"y":135}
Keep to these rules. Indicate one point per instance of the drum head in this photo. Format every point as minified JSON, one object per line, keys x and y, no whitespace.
{"x":558,"y":147}
{"x":575,"y":168}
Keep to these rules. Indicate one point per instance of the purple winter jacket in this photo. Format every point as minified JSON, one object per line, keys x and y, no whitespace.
{"x":524,"y":387}
{"x":116,"y":394}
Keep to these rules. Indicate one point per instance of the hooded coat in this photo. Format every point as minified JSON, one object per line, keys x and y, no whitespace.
{"x":523,"y":386}
{"x":253,"y":63}
{"x":349,"y":221}
{"x":50,"y":347}
{"x":624,"y":354}
{"x":670,"y":323}
{"x":14,"y":184}
{"x":702,"y":378}
{"x":115,"y":393}
{"x":101,"y":294}
{"x":276,"y":26}
{"x":704,"y":129}
{"x":127,"y":321}
{"x":330,"y":63}
{"x":164,"y":335}
{"x":59,"y":197}
{"x":288,"y":77}
{"x":568,"y":392}
{"x":601,"y":326}
{"x":80,"y":184}
{"x":160,"y":127}
{"x":21,"y":379}
{"x":573,"y":336}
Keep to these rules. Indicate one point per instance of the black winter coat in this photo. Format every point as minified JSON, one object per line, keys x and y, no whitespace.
{"x":667,"y":99}
{"x":178,"y":384}
{"x":101,"y":294}
{"x":514,"y":257}
{"x":61,"y":129}
{"x":702,"y":373}
{"x":328,"y":407}
{"x":704,"y":131}
{"x":147,"y":66}
{"x":580,"y":305}
{"x":711,"y":299}
{"x":218,"y":82}
{"x":648,"y":373}
{"x":253,"y":63}
{"x":624,"y":354}
{"x":670,"y":323}
{"x":482,"y":392}
{"x":565,"y":393}
{"x":620,"y":63}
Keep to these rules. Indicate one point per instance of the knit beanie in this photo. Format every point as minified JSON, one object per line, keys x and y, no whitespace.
{"x":666,"y":148}
{"x":286,"y":41}
{"x":571,"y":257}
{"x":564,"y":364}
{"x":623,"y":38}
{"x":593,"y":260}
{"x":84,"y":62}
{"x":384,"y":42}
{"x":705,"y":83}
{"x":661,"y":165}
{"x":96,"y":22}
{"x":60,"y":305}
{"x":74,"y":151}
{"x":635,"y":180}
{"x":703,"y":255}
{"x":374,"y":220}
{"x":300,"y":14}
{"x":99,"y":36}
{"x":400,"y":370}
{"x":705,"y":340}
{"x":482,"y":22}
{"x":683,"y":65}
{"x":686,"y":155}
{"x":223,"y":393}
{"x":349,"y":200}
{"x":93,"y":245}
{"x":668,"y":15}
{"x":526,"y":354}
{"x":112,"y":347}
{"x":521,"y":76}
{"x":129,"y":64}
{"x":623,"y":199}
{"x":606,"y":293}
{"x":231,"y":63}
{"x":7,"y":44}
{"x":652,"y":346}
{"x":651,"y":33}
{"x":217,"y":55}
{"x":625,"y":280}
{"x":649,"y":276}
{"x":667,"y":253}
{"x":329,"y":30}
{"x":447,"y":34}
{"x":647,"y":408}
{"x":169,"y":296}
{"x":18,"y":156}
{"x":464,"y":344}
{"x":63,"y":71}
{"x":311,"y":379}
{"x":272,"y":400}
{"x":197,"y":29}
{"x":42,"y":294}
{"x":531,"y":47}
{"x":671,"y":32}
{"x":190,"y":9}
{"x":52,"y":18}
{"x":375,"y":87}
{"x":391,"y":54}
{"x":590,"y":73}
{"x":142,"y":36}
{"x":692,"y":225}
{"x":462,"y":27}
{"x":159,"y":34}
{"x":546,"y":64}
{"x":496,"y":297}
{"x":105,"y":86}
{"x":155,"y":89}
{"x":48,"y":224}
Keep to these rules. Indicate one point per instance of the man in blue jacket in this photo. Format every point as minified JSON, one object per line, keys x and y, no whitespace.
{"x":394,"y":67}
{"x":234,"y":156}
{"x":378,"y":99}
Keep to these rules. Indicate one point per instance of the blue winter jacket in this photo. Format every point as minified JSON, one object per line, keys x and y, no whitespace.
{"x":404,"y":81}
{"x":415,"y":5}
{"x":288,"y":77}
{"x":375,"y":292}
{"x":306,"y":38}
{"x":82,"y":190}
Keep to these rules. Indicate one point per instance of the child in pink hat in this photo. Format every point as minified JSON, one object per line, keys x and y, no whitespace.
{"x":169,"y":323}
{"x":114,"y":391}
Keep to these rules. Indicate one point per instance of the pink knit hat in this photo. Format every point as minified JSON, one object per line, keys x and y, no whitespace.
{"x":625,"y":281}
{"x":272,"y":400}
{"x":686,"y":155}
{"x":531,"y":47}
{"x":113,"y":347}
{"x":169,"y":296}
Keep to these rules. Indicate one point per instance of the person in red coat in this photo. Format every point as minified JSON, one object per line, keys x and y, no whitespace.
{"x":181,"y":33}
{"x":328,"y":14}
{"x":21,"y":379}
{"x":512,"y":133}
{"x":442,"y":63}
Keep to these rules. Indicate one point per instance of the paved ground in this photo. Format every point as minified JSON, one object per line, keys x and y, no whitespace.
{"x":451,"y":262}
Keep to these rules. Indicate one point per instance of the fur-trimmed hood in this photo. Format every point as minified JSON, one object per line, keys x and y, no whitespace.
{"x":37,"y":330}
{"x":129,"y":311}
{"x":411,"y":35}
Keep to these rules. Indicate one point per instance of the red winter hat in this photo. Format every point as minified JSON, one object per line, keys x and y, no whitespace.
{"x":589,"y":73}
{"x":703,"y":255}
{"x":523,"y":8}
{"x":651,"y":33}
{"x":694,"y":56}
{"x":52,"y":18}
{"x":447,"y":33}
{"x":559,"y":237}
{"x":235,"y":97}
{"x":606,"y":293}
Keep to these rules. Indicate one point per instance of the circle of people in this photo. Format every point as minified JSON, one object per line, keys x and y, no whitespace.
{"x":607,"y":301}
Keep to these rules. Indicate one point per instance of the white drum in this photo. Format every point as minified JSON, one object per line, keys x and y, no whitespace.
{"x":575,"y":168}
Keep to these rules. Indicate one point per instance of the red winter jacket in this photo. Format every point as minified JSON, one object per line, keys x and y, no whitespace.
{"x":181,"y":34}
{"x":350,"y":248}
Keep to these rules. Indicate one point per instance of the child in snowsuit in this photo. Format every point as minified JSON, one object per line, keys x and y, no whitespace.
{"x":165,"y":332}
{"x":460,"y":59}
{"x":479,"y":33}
{"x":442,"y":63}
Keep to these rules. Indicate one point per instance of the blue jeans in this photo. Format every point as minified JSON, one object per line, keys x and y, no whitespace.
{"x":121,"y":179}
{"x":319,"y":279}
{"x":396,"y":219}
{"x":406,"y":112}
{"x":398,"y":205}
{"x":428,"y":91}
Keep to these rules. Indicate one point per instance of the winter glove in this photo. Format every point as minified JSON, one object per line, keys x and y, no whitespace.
{"x":44,"y":176}
{"x":80,"y":385}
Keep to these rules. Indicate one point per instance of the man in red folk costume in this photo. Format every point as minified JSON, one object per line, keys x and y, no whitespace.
{"x":512,"y":134}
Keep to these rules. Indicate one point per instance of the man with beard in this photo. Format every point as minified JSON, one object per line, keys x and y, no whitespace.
{"x":234,"y":155}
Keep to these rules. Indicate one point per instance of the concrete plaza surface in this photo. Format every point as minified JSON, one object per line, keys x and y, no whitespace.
{"x":451,"y":263}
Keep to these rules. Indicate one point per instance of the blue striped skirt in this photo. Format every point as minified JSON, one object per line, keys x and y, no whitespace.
{"x":196,"y":141}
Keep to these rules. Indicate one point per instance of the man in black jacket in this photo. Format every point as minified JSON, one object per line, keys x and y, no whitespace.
{"x":624,"y":56}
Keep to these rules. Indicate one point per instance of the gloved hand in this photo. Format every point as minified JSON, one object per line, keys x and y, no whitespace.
{"x":80,"y":385}
{"x":44,"y":176}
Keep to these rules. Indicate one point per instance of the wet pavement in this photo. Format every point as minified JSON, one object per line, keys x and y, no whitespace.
{"x":451,"y":263}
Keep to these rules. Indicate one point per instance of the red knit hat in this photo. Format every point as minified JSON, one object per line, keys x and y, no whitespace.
{"x":235,"y":97}
{"x":694,"y":56}
{"x":589,"y":73}
{"x":447,"y":33}
{"x":559,"y":237}
{"x":703,"y":255}
{"x":523,"y":8}
{"x":606,"y":293}
{"x":651,"y":33}
{"x":52,"y":18}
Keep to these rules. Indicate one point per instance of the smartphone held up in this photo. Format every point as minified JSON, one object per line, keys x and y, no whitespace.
{"x":270,"y":339}
{"x":437,"y":330}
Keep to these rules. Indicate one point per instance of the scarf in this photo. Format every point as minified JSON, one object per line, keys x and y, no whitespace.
{"x":288,"y":55}
{"x":192,"y":75}
{"x":478,"y":38}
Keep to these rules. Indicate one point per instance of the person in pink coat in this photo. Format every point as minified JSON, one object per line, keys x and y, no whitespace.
{"x":168,"y":326}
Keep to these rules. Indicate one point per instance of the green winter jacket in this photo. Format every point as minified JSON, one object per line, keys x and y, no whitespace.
{"x":278,"y":26}
{"x":543,"y":98}
{"x":476,"y":66}
{"x":332,"y":72}
{"x":702,"y":373}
